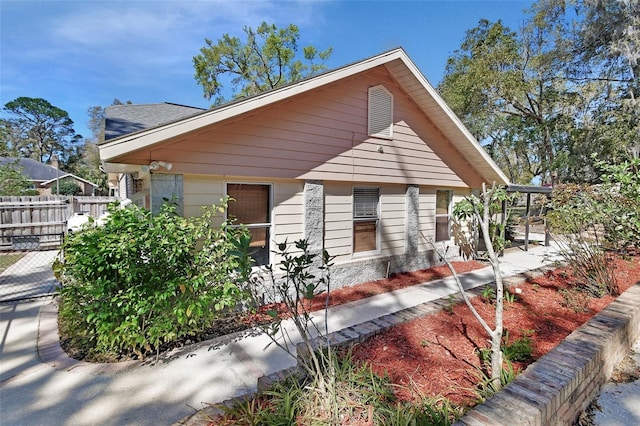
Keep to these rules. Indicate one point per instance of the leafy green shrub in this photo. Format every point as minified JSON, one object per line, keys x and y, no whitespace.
{"x":518,"y":350}
{"x":142,"y":280}
{"x":577,"y":217}
{"x":621,"y":203}
{"x":500,"y":233}
{"x":66,"y":187}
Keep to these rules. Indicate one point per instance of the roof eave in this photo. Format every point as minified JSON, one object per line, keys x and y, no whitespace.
{"x":455,"y":130}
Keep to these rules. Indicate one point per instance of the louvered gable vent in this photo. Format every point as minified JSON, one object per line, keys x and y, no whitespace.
{"x":380,"y":112}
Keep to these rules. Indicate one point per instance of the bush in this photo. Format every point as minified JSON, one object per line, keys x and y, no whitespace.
{"x":142,"y":280}
{"x":577,"y":218}
{"x":66,"y":188}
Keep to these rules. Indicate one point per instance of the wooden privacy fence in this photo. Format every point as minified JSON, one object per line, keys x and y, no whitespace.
{"x":45,"y":214}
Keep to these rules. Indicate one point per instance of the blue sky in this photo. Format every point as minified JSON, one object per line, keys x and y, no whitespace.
{"x":77,"y":54}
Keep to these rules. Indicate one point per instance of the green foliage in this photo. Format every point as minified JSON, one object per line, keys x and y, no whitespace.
{"x":620,"y":203}
{"x":590,"y":220}
{"x":67,"y":187}
{"x":471,"y":209}
{"x":265,"y":61}
{"x":142,"y":280}
{"x":509,"y":297}
{"x":545,"y":98}
{"x":488,"y":293}
{"x":519,"y":349}
{"x":361,"y":396}
{"x":488,"y":386}
{"x":13,"y":182}
{"x":38,"y":129}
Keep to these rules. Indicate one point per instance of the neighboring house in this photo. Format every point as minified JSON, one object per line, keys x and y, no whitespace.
{"x":360,"y":160}
{"x":46,"y":177}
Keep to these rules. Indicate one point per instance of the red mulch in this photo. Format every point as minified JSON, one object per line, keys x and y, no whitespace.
{"x":372,"y":288}
{"x":438,"y":354}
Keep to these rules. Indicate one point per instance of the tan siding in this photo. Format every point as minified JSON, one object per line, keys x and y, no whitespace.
{"x":338,"y":220}
{"x":427,"y":208}
{"x":322,"y":135}
{"x":201,"y":190}
{"x":288,"y":212}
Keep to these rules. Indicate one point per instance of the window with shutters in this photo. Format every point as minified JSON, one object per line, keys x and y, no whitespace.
{"x":251,"y":206}
{"x":443,"y":215}
{"x":380,"y":112}
{"x":365,"y":219}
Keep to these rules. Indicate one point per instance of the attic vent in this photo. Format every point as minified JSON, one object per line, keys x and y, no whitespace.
{"x":380,"y":112}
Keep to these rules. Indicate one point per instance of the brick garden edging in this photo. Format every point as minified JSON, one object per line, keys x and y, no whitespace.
{"x":560,"y":385}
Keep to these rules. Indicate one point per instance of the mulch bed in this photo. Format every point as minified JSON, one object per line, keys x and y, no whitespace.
{"x":439,"y":354}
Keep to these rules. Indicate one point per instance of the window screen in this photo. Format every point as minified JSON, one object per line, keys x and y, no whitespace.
{"x":251,"y":207}
{"x":443,"y":219}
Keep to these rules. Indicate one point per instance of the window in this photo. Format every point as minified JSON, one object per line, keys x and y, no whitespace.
{"x":380,"y":112}
{"x":365,"y":219}
{"x":252,"y":208}
{"x":443,"y":216}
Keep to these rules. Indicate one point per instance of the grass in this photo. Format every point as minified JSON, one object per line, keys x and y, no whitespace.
{"x":7,"y":260}
{"x":358,"y":396}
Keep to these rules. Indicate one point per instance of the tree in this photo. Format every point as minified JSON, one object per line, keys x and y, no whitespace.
{"x":480,"y":211}
{"x":545,"y":99}
{"x":607,"y":47}
{"x":13,"y":182}
{"x":67,"y":187}
{"x":38,"y":129}
{"x":265,"y":61}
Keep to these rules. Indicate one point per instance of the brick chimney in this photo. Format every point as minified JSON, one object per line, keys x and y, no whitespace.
{"x":54,"y":161}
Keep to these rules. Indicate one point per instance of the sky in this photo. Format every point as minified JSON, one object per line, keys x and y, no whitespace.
{"x":78,"y":54}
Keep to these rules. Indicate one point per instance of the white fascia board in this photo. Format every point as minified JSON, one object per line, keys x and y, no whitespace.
{"x":68,"y":175}
{"x":145,"y":138}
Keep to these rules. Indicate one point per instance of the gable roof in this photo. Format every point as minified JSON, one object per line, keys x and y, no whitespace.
{"x":43,"y":174}
{"x":399,"y":66}
{"x":122,"y":120}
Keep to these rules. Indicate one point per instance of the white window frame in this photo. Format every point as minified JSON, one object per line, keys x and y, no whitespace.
{"x":365,"y":218}
{"x":269,"y":225}
{"x":380,"y":112}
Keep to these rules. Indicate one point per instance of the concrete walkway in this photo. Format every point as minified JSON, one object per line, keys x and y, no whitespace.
{"x":39,"y":384}
{"x":620,"y":402}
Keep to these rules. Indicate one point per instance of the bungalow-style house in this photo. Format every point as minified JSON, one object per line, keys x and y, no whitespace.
{"x":46,"y":178}
{"x":361,"y":161}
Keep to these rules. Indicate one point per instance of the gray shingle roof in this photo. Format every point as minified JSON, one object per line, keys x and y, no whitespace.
{"x":121,"y":120}
{"x":38,"y":172}
{"x":35,"y":170}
